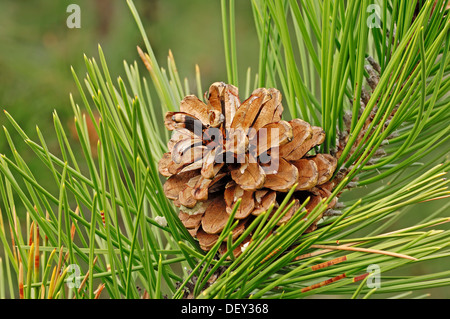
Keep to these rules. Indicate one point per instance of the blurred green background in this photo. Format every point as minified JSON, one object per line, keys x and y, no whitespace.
{"x":37,"y":50}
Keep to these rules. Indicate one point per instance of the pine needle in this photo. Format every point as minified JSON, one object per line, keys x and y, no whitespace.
{"x":364,"y":250}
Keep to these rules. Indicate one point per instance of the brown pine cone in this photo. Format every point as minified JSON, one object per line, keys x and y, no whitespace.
{"x":225,"y":150}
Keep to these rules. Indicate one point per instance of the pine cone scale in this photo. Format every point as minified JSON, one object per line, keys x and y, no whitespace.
{"x":249,"y":109}
{"x":296,"y":149}
{"x":309,"y":174}
{"x":250,"y":176}
{"x":284,"y":178}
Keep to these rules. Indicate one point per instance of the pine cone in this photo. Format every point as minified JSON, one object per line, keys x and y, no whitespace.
{"x":225,"y":150}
